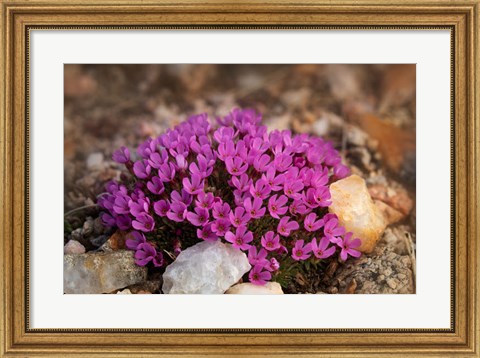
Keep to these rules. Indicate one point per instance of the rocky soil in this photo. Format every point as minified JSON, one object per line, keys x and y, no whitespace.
{"x":368,"y":111}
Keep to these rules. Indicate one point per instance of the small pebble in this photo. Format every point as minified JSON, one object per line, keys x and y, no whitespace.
{"x":321,"y":127}
{"x":77,"y":234}
{"x":387,"y":272}
{"x":99,"y":240}
{"x":124,"y":292}
{"x":391,"y":283}
{"x":95,"y":161}
{"x":88,"y":227}
{"x":356,"y":136}
{"x":98,"y":227}
{"x":73,"y":247}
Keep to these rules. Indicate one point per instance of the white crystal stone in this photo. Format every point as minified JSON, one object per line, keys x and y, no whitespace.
{"x":101,"y":272}
{"x":207,"y":267}
{"x":356,"y":211}
{"x":270,"y":288}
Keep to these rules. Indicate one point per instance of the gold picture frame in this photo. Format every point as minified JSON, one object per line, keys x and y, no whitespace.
{"x":19,"y":17}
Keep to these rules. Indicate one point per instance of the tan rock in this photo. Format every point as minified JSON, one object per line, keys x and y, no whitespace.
{"x":270,"y":288}
{"x":397,"y":198}
{"x":100,"y":272}
{"x":356,"y":211}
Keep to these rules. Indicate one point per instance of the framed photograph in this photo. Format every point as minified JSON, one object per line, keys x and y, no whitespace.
{"x":237,"y":178}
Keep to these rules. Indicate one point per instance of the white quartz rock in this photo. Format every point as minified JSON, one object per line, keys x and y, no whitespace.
{"x":207,"y":267}
{"x":101,"y":272}
{"x":356,"y":211}
{"x":270,"y":288}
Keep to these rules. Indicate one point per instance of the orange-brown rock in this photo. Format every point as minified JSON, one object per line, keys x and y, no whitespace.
{"x":397,"y":198}
{"x":356,"y":211}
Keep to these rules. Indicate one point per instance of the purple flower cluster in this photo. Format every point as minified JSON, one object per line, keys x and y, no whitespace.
{"x":264,"y":193}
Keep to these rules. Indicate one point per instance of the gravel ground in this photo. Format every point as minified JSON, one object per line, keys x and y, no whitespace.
{"x":368,"y":111}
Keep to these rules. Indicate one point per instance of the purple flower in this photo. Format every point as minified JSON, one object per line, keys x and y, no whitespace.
{"x":166,"y":172}
{"x":257,"y":258}
{"x":205,"y":200}
{"x":332,"y":231}
{"x":239,"y":217}
{"x":108,"y":220}
{"x":311,"y":223}
{"x":241,"y":182}
{"x":297,"y":207}
{"x":254,"y":209}
{"x":332,"y":158}
{"x":292,"y":187}
{"x":299,"y":162}
{"x":239,"y":197}
{"x":134,"y":239}
{"x":120,"y":205}
{"x":221,"y":210}
{"x":161,"y":208}
{"x":121,"y":155}
{"x":106,"y":201}
{"x":181,"y":162}
{"x":348,"y":246}
{"x":236,"y":165}
{"x":274,"y":182}
{"x":224,"y":134}
{"x":158,"y":260}
{"x":341,"y":171}
{"x":193,"y":186}
{"x":184,"y":197}
{"x":123,"y":222}
{"x":146,"y":253}
{"x":260,"y":189}
{"x":143,"y":222}
{"x":319,"y":178}
{"x":156,"y":160}
{"x":142,"y":169}
{"x":240,"y":239}
{"x":147,"y":148}
{"x":221,"y":226}
{"x":310,"y":199}
{"x":206,"y":233}
{"x":276,"y":206}
{"x":261,"y":162}
{"x":139,"y":207}
{"x":301,"y":252}
{"x":201,"y":169}
{"x":322,"y":196}
{"x":282,"y":162}
{"x":226,"y":150}
{"x":155,"y":185}
{"x":285,"y":226}
{"x":241,"y":150}
{"x":322,"y":251}
{"x":199,"y":217}
{"x":272,"y":265}
{"x":270,"y":241}
{"x":177,"y":212}
{"x":259,"y":277}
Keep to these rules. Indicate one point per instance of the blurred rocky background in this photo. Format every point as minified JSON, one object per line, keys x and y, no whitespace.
{"x":368,"y":111}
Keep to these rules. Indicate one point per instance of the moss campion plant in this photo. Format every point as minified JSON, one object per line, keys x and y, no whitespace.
{"x":266,"y":194}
